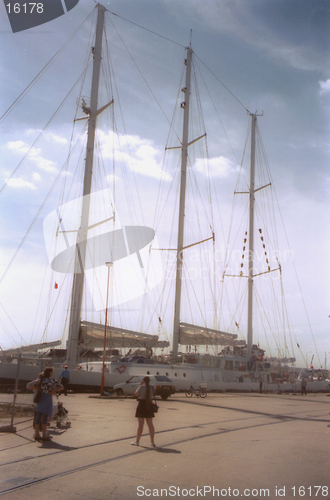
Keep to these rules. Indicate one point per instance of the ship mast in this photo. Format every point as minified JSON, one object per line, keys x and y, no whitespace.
{"x":81,"y":244}
{"x":251,"y":232}
{"x":184,"y":157}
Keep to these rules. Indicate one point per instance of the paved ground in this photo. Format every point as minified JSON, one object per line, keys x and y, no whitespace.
{"x":250,"y":446}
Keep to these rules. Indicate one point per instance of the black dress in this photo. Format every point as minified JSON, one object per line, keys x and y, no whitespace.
{"x":142,"y":411}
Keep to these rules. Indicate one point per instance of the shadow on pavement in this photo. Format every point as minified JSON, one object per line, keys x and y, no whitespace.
{"x":51,"y":445}
{"x":167,"y":450}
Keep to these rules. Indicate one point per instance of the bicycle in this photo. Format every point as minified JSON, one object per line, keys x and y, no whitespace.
{"x":201,"y":392}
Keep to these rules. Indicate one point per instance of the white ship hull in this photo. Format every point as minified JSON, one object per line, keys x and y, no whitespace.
{"x":182,"y":375}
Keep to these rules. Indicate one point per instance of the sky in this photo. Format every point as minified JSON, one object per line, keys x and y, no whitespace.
{"x":272,"y":55}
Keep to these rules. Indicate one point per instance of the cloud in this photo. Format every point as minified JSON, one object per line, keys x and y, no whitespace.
{"x":143,"y":157}
{"x":49,"y":136}
{"x":20,"y":183}
{"x":217,"y":167}
{"x":324,"y":87}
{"x":34,"y":155}
{"x":57,"y":139}
{"x":144,"y":161}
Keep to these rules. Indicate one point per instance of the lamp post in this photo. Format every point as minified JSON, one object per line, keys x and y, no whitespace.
{"x":109,"y":266}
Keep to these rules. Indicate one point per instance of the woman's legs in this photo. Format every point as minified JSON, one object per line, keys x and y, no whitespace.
{"x":44,"y":425}
{"x":37,"y":421}
{"x":41,"y":418}
{"x":36,"y":428}
{"x":44,"y":431}
{"x":151,"y":429}
{"x":140,"y":429}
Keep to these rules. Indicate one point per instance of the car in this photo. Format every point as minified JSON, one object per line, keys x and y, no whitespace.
{"x":163,"y":386}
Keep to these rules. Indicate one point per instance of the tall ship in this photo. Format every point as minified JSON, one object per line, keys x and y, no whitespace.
{"x":197,"y":314}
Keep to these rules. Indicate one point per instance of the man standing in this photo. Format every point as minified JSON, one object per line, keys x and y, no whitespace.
{"x":65,"y":379}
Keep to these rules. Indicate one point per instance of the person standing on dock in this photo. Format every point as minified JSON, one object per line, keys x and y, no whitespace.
{"x":145,"y":394}
{"x":49,"y":387}
{"x":34,"y":386}
{"x":303,"y":386}
{"x":65,"y":379}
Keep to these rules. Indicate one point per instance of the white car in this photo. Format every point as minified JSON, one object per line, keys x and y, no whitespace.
{"x":163,"y":386}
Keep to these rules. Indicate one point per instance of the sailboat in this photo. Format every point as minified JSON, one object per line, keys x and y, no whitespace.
{"x":239,"y":366}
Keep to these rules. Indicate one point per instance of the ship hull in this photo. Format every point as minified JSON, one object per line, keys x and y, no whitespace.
{"x":88,"y":378}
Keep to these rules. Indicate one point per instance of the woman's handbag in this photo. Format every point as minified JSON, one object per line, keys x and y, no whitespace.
{"x":154,"y":405}
{"x":37,"y":396}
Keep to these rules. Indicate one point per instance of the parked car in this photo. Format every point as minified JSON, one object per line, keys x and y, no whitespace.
{"x":163,"y":386}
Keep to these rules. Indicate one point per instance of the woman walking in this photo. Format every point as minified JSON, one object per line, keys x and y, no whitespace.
{"x":144,"y":411}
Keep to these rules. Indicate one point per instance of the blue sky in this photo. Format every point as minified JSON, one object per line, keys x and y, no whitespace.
{"x":273,"y":55}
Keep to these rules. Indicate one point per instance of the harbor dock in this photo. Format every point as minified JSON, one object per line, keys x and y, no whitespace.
{"x":226,"y":445}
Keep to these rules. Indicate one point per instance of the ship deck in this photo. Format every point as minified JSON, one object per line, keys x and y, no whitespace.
{"x":246,"y":445}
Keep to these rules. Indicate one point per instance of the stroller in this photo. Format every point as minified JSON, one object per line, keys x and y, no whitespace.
{"x":60,"y":415}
